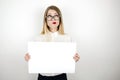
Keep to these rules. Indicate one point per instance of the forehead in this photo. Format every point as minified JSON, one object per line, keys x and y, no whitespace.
{"x":51,"y":11}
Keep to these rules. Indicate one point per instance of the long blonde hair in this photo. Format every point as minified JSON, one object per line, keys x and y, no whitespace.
{"x":45,"y":29}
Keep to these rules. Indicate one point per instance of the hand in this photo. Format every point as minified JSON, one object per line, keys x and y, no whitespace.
{"x":76,"y":57}
{"x":27,"y":57}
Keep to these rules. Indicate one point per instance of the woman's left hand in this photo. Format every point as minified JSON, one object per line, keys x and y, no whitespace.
{"x":76,"y":57}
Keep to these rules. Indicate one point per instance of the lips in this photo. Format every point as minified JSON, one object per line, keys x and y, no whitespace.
{"x":54,"y":22}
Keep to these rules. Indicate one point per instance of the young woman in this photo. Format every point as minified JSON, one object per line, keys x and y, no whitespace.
{"x":53,"y":31}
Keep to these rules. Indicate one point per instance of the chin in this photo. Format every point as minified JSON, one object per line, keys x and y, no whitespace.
{"x":54,"y":27}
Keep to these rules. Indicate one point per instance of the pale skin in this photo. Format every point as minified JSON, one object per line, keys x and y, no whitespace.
{"x":53,"y":28}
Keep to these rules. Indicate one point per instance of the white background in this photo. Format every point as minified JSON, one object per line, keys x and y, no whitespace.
{"x":94,"y":24}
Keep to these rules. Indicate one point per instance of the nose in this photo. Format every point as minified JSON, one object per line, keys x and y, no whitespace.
{"x":52,"y":19}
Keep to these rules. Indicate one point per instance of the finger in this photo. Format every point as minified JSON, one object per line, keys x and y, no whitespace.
{"x":77,"y":55}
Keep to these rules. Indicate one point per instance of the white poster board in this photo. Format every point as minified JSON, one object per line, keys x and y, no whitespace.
{"x":51,"y":57}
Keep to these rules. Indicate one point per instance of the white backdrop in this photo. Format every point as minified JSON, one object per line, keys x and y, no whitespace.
{"x":94,"y":24}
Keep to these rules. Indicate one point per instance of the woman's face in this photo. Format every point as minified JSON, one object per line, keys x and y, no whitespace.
{"x":52,"y":19}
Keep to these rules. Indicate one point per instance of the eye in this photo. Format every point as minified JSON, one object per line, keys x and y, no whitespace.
{"x":56,"y":15}
{"x":49,"y":16}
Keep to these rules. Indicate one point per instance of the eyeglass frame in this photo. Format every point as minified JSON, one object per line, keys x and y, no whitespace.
{"x":52,"y":17}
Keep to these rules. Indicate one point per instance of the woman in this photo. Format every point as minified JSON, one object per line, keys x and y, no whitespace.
{"x":53,"y":31}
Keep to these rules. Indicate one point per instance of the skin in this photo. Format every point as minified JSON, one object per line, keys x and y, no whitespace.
{"x":53,"y":28}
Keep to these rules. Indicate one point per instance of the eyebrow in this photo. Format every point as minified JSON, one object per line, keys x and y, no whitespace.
{"x":54,"y":14}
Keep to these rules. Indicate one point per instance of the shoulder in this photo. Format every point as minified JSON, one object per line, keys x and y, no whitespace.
{"x":65,"y":37}
{"x":70,"y":37}
{"x":39,"y":37}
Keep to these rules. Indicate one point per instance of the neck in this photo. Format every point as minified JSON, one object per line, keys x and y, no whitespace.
{"x":53,"y":30}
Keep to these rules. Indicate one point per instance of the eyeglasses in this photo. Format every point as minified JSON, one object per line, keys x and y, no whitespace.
{"x":50,"y":17}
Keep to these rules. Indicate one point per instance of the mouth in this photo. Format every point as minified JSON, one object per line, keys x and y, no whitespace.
{"x":54,"y":22}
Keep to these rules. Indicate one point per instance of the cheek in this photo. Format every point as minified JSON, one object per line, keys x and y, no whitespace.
{"x":57,"y":23}
{"x":49,"y":23}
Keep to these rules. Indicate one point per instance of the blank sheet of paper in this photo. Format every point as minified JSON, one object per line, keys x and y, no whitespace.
{"x":51,"y":57}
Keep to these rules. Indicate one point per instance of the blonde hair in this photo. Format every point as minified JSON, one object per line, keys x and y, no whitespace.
{"x":45,"y":29}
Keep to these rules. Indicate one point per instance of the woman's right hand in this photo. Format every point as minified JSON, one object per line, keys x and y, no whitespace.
{"x":27,"y":57}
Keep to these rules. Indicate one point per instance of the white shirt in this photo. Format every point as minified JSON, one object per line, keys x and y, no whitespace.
{"x":53,"y":37}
